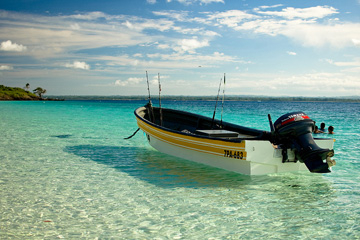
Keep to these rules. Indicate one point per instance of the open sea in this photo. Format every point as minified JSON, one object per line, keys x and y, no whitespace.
{"x":67,"y":173}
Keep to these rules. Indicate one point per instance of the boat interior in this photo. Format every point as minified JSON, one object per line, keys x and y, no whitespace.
{"x":195,"y":124}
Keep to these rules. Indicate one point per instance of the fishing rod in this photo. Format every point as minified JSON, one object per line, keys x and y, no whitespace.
{"x":149,"y":105}
{"x":147,"y":80}
{"x":222,"y":105}
{"x":217,"y":99}
{"x":161,"y":119}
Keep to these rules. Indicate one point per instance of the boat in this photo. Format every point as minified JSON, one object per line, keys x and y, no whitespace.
{"x":288,"y":146}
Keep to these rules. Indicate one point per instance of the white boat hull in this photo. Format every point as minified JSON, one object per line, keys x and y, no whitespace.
{"x":250,"y":157}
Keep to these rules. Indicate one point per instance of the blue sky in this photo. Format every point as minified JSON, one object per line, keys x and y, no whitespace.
{"x":275,"y":48}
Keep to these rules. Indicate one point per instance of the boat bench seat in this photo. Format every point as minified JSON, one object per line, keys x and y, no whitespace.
{"x":218,"y":133}
{"x":221,"y":133}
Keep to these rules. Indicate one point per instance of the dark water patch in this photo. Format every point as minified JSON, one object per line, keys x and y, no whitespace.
{"x":62,"y":136}
{"x":159,"y":169}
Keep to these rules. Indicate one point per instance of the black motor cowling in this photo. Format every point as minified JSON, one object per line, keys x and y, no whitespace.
{"x":293,"y":130}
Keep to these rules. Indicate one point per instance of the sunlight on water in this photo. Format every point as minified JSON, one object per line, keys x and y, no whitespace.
{"x":66,"y":172}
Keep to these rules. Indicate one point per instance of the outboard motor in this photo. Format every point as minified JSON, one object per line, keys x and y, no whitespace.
{"x":293,"y":130}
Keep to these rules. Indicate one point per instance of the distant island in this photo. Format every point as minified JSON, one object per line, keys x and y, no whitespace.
{"x":210,"y":98}
{"x":19,"y":94}
{"x":15,"y":93}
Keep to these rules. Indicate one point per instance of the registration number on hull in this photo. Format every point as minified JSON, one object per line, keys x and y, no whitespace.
{"x":234,"y":154}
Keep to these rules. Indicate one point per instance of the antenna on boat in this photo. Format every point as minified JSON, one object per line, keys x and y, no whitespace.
{"x":147,"y":80}
{"x":217,"y":99}
{"x":149,"y":105}
{"x":222,"y":105}
{"x":161,"y":120}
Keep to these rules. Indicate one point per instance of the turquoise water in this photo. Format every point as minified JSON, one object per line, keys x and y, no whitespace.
{"x":67,"y":173}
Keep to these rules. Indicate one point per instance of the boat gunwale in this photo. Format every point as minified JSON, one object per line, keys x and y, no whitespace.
{"x":234,"y":140}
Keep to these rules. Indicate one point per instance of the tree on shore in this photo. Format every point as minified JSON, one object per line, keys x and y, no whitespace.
{"x":39,"y":91}
{"x":27,"y":86}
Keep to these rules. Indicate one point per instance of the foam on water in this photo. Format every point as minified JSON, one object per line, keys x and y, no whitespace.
{"x":66,"y":172}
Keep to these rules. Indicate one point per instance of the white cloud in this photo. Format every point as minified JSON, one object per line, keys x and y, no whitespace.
{"x":137,"y":55}
{"x":8,"y":46}
{"x":304,"y":13}
{"x":190,"y":45}
{"x":195,"y":60}
{"x":142,"y":24}
{"x":328,"y":61}
{"x":317,"y":35}
{"x":78,"y":65}
{"x":291,"y":53}
{"x":355,"y":63}
{"x":57,"y":36}
{"x":266,"y":7}
{"x":231,"y":18}
{"x":211,"y":1}
{"x":356,"y":42}
{"x":89,"y":16}
{"x":178,"y":15}
{"x":189,"y":2}
{"x":177,"y":60}
{"x":129,"y":81}
{"x":300,"y":25}
{"x":312,"y":84}
{"x":349,"y":66}
{"x":262,"y":26}
{"x":163,"y":46}
{"x":75,"y":26}
{"x":5,"y":67}
{"x":151,"y":1}
{"x":320,"y":82}
{"x":185,"y":2}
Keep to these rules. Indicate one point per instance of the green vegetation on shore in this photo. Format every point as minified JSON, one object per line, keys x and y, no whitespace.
{"x":11,"y":93}
{"x":20,"y":94}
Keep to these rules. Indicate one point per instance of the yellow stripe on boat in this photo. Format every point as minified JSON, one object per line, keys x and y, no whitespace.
{"x":204,"y":145}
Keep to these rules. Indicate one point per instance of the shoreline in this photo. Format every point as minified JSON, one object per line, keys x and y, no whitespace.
{"x":30,"y":100}
{"x":208,"y":98}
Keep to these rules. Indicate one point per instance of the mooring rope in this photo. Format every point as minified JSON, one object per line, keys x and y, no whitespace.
{"x":133,"y":134}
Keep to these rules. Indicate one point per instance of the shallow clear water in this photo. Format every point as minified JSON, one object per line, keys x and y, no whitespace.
{"x":66,"y":172}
